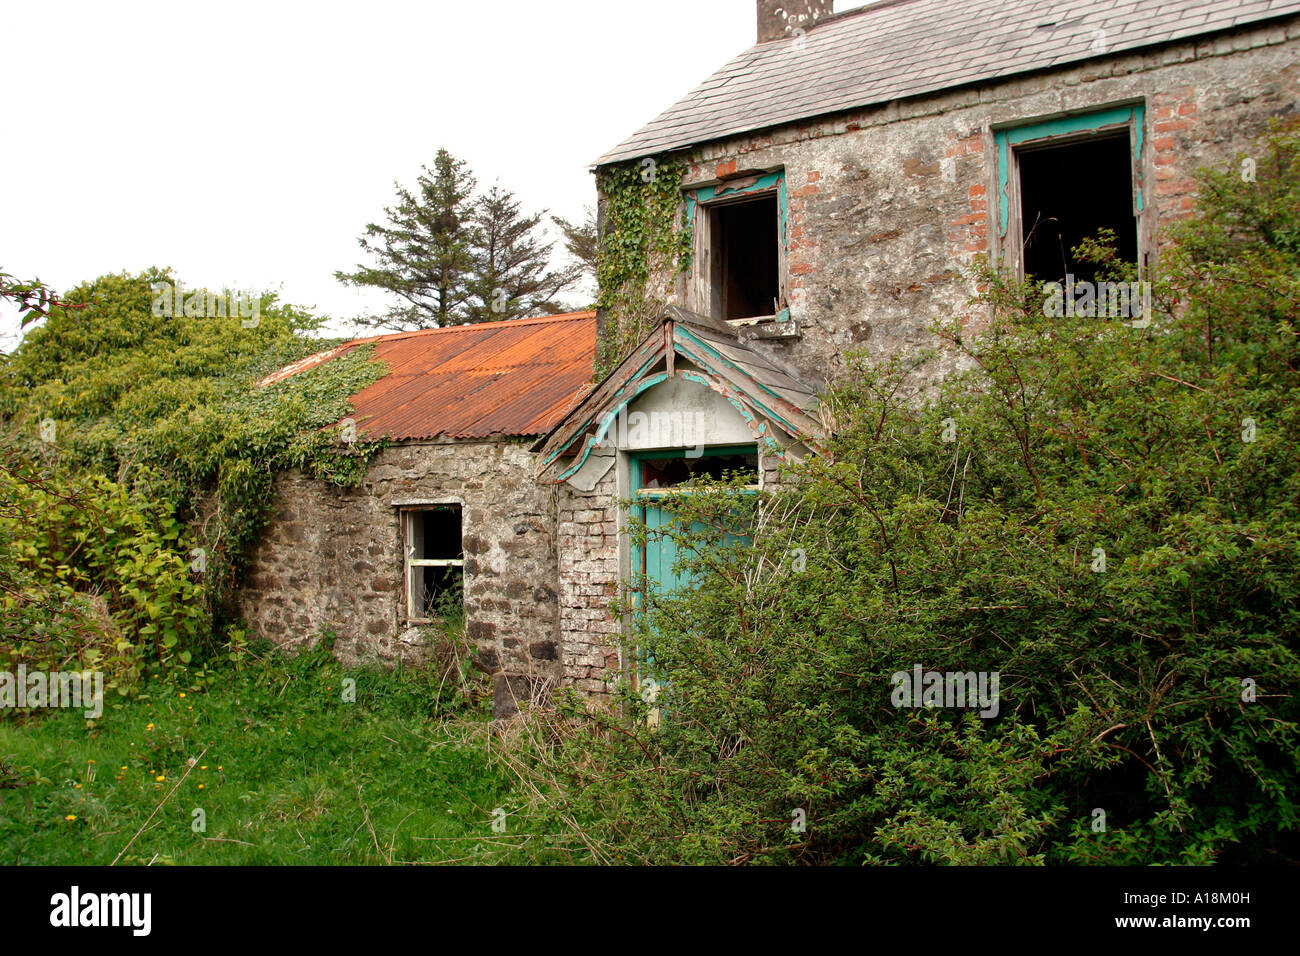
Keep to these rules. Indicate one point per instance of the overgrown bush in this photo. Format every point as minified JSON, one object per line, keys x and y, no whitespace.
{"x":138,"y":464}
{"x":1105,"y":515}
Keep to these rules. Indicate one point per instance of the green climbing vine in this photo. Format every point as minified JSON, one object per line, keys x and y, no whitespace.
{"x":646,"y":244}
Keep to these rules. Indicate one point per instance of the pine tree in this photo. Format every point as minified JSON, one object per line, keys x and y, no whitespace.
{"x":510,"y":262}
{"x":581,"y":241}
{"x":424,"y":252}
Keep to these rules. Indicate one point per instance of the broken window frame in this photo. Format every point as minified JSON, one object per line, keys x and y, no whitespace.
{"x":409,"y":515}
{"x":1012,"y":139}
{"x":704,"y":292}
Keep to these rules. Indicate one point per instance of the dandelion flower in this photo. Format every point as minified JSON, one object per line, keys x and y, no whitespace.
{"x":160,"y":778}
{"x":200,"y":786}
{"x":148,"y":726}
{"x":70,"y":817}
{"x":182,"y":693}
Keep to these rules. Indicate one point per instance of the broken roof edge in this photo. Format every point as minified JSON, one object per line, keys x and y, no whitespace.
{"x":620,"y":154}
{"x":743,"y":387}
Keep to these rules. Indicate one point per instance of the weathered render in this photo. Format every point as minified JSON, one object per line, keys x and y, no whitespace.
{"x":891,"y":198}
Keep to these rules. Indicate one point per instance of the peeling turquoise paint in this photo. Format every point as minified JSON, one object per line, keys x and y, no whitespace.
{"x":698,"y":351}
{"x":654,"y":357}
{"x":1005,"y":139}
{"x":759,"y":432}
{"x":764,"y":183}
{"x":608,"y":420}
{"x":718,"y":357}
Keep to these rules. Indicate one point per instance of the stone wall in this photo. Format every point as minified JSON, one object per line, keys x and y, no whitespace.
{"x":331,"y":560}
{"x":887,"y":205}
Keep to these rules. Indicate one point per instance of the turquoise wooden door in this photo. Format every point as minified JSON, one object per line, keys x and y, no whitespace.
{"x":656,"y":562}
{"x":655,"y":478}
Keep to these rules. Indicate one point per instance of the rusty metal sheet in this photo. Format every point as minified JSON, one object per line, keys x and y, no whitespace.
{"x":472,"y":381}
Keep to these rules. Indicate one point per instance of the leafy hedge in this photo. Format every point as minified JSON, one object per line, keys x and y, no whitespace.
{"x":138,"y":462}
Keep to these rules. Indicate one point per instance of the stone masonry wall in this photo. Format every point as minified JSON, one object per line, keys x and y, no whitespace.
{"x":887,"y":205}
{"x":331,"y":559}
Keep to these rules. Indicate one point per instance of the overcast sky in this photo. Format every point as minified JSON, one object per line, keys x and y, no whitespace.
{"x":246,"y":145}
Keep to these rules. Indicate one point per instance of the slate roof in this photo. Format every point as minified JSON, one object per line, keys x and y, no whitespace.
{"x":488,"y":380}
{"x":902,"y":48}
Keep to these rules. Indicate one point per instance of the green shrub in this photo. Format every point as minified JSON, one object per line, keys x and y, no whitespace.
{"x":138,"y":463}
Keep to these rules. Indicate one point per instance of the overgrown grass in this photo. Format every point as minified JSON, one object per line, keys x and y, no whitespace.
{"x":287,"y":772}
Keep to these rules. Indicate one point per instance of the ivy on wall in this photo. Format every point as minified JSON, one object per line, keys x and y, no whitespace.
{"x":645,"y":245}
{"x":142,"y":443}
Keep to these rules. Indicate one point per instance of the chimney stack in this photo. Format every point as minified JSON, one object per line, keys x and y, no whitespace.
{"x":780,"y":18}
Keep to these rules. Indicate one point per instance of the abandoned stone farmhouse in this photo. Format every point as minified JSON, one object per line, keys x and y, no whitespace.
{"x":840,"y":175}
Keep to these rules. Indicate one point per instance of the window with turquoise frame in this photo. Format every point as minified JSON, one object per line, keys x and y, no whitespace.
{"x":738,"y":264}
{"x":1063,"y":180}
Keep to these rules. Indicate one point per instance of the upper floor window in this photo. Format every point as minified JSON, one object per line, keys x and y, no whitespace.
{"x":1062,"y":181}
{"x":738,"y":271}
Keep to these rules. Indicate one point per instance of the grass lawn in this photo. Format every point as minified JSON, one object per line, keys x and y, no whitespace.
{"x":286,"y":772}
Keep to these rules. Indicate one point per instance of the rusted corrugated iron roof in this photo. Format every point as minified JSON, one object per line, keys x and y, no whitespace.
{"x":471,"y":381}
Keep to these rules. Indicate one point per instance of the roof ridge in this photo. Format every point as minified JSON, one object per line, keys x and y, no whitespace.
{"x":468,"y":326}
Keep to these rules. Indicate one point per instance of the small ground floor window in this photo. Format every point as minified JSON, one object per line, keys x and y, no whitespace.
{"x":435,"y":562}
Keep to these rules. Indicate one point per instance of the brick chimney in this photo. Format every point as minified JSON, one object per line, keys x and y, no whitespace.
{"x":780,"y":18}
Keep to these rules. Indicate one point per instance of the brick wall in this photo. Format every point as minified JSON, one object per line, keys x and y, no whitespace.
{"x":588,"y":540}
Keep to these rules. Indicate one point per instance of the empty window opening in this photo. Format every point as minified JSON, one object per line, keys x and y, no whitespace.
{"x":1067,"y":193}
{"x":745,"y":241}
{"x":660,"y":473}
{"x":435,"y":563}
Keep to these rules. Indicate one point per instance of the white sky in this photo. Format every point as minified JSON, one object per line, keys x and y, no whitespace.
{"x":247,"y":144}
